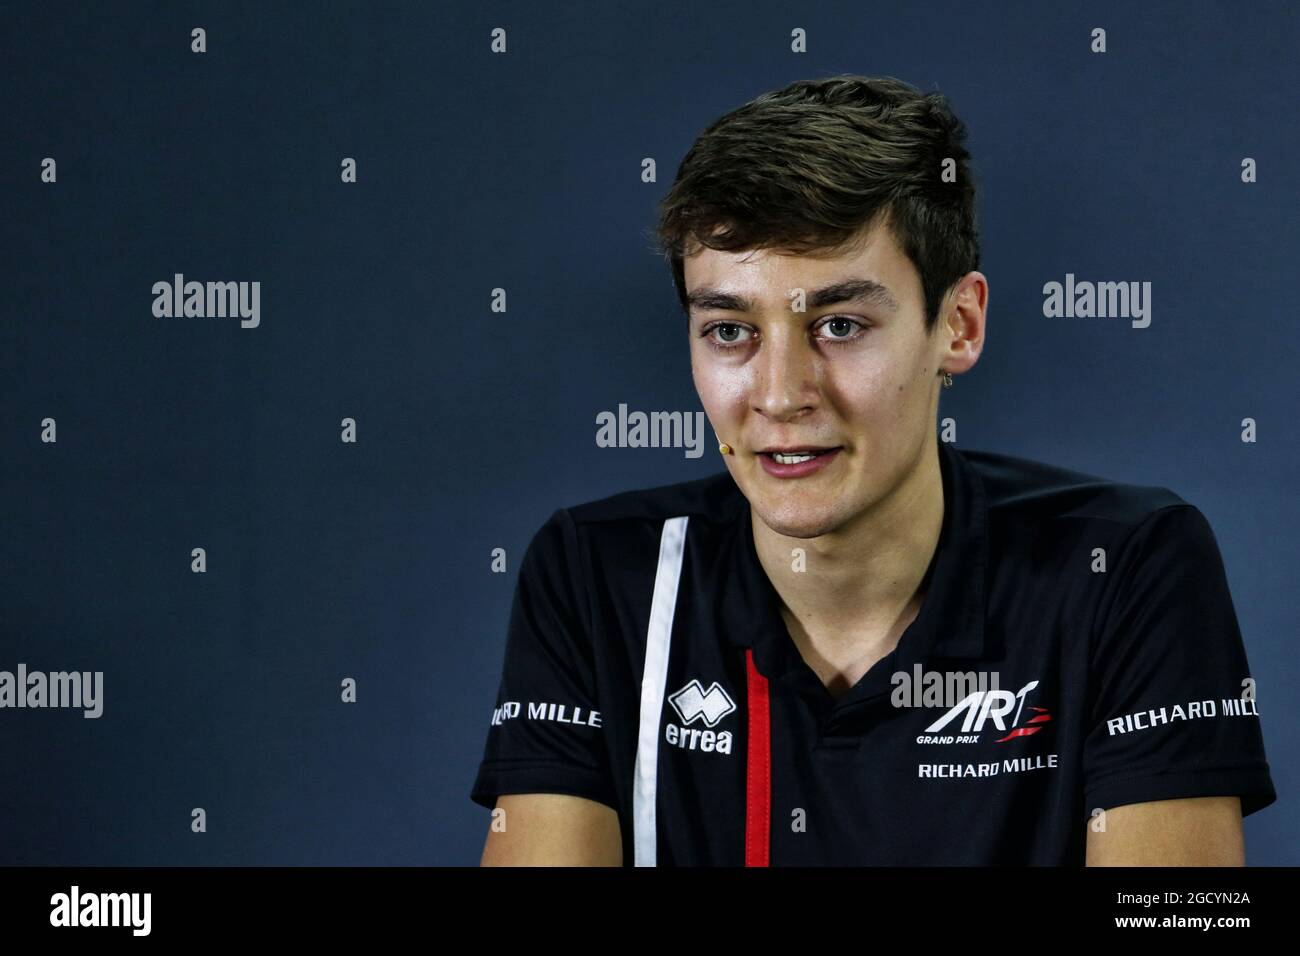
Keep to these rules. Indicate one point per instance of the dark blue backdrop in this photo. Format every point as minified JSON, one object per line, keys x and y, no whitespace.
{"x":521,"y":171}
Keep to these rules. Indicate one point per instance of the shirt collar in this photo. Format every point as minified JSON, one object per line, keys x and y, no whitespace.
{"x":950,"y":623}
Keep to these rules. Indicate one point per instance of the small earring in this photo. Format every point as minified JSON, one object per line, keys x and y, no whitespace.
{"x":947,"y":380}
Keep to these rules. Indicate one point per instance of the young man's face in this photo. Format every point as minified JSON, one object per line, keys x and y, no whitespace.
{"x":858,"y":375}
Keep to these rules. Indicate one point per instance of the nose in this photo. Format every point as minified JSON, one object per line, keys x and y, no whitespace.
{"x":787,"y":378}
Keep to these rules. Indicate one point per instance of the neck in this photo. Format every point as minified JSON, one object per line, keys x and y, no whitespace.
{"x":860,"y":586}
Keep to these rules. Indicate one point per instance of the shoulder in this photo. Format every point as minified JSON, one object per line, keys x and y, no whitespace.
{"x":1042,"y":518}
{"x":624,"y":529}
{"x":1024,"y":491}
{"x":712,"y":498}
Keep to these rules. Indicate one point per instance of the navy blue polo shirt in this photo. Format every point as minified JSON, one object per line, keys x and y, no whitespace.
{"x":1076,"y":649}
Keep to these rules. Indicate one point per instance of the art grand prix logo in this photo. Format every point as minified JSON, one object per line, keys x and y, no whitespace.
{"x":991,"y":705}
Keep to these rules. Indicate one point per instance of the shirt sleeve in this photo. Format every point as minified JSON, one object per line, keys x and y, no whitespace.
{"x":1172,"y":716}
{"x":546,"y":733}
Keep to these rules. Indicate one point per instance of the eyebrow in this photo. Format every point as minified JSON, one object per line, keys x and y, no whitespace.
{"x":867,"y":291}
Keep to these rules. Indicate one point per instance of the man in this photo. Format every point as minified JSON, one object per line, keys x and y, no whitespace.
{"x":715,"y":672}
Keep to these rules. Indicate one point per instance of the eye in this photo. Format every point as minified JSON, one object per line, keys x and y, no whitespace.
{"x":730,"y":335}
{"x":852,"y":329}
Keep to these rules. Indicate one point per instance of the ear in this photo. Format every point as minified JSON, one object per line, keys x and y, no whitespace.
{"x":961,"y":323}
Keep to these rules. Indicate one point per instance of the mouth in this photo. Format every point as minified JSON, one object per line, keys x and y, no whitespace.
{"x":796,"y":462}
{"x":796,"y":455}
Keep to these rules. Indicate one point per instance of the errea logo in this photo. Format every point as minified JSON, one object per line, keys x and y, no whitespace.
{"x":693,"y":703}
{"x":990,"y":705}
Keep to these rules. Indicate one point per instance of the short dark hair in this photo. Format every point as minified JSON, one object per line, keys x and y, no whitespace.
{"x":807,"y":167}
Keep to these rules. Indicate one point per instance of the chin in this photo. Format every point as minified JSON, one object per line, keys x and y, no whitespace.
{"x":800,"y":519}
